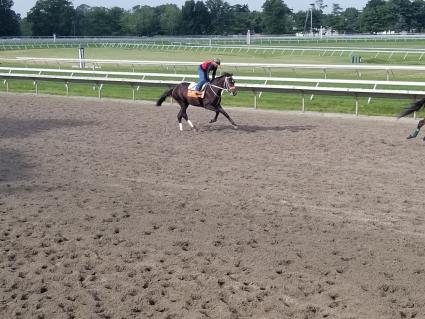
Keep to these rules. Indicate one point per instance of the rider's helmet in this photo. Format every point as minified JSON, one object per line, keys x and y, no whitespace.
{"x":217,"y":60}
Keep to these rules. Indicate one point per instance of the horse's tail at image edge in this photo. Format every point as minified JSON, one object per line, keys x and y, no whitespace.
{"x":416,"y":106}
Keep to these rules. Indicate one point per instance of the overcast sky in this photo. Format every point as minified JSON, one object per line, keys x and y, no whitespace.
{"x":23,"y":6}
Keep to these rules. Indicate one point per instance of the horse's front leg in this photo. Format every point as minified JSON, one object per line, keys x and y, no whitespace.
{"x":418,"y":128}
{"x":222,"y":111}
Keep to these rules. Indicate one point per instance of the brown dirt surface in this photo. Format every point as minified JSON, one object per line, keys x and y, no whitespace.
{"x":108,"y":211}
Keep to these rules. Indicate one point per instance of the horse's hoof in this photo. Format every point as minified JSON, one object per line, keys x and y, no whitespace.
{"x":212,"y":121}
{"x":410,"y":136}
{"x":235,"y":127}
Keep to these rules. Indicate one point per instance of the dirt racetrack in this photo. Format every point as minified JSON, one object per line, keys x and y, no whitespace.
{"x":108,"y":211}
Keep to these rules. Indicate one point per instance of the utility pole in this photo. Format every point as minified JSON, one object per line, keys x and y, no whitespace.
{"x":311,"y":18}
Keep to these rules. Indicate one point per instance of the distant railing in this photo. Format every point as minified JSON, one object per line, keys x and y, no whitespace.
{"x":267,"y":67}
{"x":231,"y":46}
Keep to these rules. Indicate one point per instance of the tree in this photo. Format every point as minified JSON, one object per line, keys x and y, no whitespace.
{"x":79,"y":22}
{"x":141,"y":21}
{"x":241,"y":19}
{"x":334,"y":20}
{"x":256,"y":22}
{"x":10,"y":20}
{"x":220,"y":15}
{"x":169,"y":16}
{"x":276,"y":18}
{"x":377,"y":16}
{"x":25,"y":27}
{"x":115,"y":15}
{"x":319,"y":19}
{"x":402,"y":14}
{"x":49,"y":17}
{"x":99,"y":21}
{"x":418,"y":16}
{"x":188,"y":18}
{"x":350,"y":21}
{"x":146,"y":21}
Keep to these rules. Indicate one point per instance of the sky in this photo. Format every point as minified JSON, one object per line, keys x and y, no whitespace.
{"x":23,"y":6}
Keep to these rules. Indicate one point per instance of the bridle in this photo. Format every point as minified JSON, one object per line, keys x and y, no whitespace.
{"x":227,"y":87}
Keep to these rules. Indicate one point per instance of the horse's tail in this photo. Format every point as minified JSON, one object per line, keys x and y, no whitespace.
{"x":413,"y":108}
{"x":164,"y":96}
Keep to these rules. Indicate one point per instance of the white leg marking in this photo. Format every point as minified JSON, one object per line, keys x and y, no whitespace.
{"x":190,"y":123}
{"x":181,"y":126}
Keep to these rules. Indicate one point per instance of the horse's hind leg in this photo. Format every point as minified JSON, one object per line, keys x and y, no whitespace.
{"x":187,"y":119}
{"x":183,"y":114}
{"x":180,"y":116}
{"x":418,"y":128}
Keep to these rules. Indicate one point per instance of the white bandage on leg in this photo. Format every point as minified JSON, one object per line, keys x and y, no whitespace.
{"x":190,"y":123}
{"x":181,"y":126}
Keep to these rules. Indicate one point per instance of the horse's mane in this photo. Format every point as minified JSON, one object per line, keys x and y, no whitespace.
{"x":223,"y":75}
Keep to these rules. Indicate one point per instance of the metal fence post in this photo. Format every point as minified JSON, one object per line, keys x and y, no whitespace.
{"x":357,"y":105}
{"x":303,"y":102}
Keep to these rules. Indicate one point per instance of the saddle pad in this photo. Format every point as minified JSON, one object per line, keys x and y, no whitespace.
{"x":191,"y":91}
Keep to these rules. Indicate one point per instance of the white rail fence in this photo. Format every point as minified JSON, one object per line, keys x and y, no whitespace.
{"x":232,"y":39}
{"x":267,"y":67}
{"x":256,"y":89}
{"x":195,"y":45}
{"x":185,"y":77}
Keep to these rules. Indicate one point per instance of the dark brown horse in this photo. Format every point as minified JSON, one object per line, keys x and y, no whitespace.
{"x":211,"y":100}
{"x":411,"y":109}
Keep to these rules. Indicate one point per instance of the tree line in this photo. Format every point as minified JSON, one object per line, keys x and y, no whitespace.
{"x":210,"y":17}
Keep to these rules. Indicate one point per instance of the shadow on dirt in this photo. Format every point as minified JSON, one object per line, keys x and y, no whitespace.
{"x":259,"y":128}
{"x":16,"y":128}
{"x":15,"y":165}
{"x":12,"y":165}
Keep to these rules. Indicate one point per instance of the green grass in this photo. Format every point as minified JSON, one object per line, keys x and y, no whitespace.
{"x":190,"y":55}
{"x":267,"y":100}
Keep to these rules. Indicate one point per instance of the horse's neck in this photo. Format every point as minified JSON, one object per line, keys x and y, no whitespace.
{"x":217,"y":86}
{"x":216,"y":89}
{"x":218,"y":81}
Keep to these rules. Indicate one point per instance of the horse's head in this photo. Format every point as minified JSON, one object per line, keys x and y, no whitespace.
{"x":229,"y":83}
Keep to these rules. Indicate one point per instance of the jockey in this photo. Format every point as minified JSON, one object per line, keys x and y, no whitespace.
{"x":204,"y":70}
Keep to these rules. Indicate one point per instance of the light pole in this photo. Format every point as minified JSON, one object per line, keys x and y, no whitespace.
{"x":311,"y":18}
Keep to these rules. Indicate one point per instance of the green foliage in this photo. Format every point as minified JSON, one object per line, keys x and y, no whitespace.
{"x":25,"y":27}
{"x":9,"y":20}
{"x":207,"y":17}
{"x":276,"y":17}
{"x":50,"y":17}
{"x":99,"y":21}
{"x":169,"y":19}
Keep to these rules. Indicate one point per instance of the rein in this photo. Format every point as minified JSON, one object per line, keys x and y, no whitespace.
{"x":226,"y":88}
